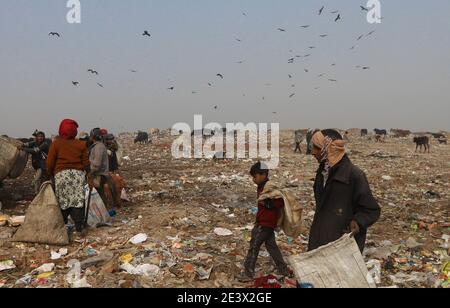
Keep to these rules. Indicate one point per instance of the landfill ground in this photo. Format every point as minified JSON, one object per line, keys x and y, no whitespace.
{"x":179,"y":203}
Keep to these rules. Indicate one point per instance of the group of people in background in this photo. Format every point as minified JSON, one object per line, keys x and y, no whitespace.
{"x":71,"y":163}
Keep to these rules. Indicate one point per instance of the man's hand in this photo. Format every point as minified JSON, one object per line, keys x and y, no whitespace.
{"x":354,"y":227}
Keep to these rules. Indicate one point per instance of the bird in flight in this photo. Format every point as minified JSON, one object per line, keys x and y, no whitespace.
{"x":290,"y":76}
{"x":92,"y":71}
{"x":220,"y":76}
{"x":360,"y":37}
{"x":323,"y":35}
{"x":100,"y":85}
{"x":353,"y":47}
{"x":320,"y":75}
{"x":311,"y":47}
{"x":133,"y":71}
{"x":332,"y":80}
{"x":306,"y":56}
{"x":245,"y":14}
{"x":333,"y":64}
{"x":338,"y":18}
{"x":305,"y":26}
{"x":146,"y":33}
{"x":215,"y":107}
{"x":365,"y":67}
{"x":54,"y":34}
{"x":209,"y":84}
{"x":240,"y":62}
{"x":321,"y":10}
{"x":364,"y":8}
{"x":194,"y":92}
{"x":171,"y":88}
{"x":291,"y":60}
{"x":306,"y":70}
{"x":334,"y":12}
{"x":75,"y":83}
{"x":281,"y":30}
{"x":274,"y":112}
{"x":316,"y":88}
{"x":292,"y":95}
{"x":370,"y":33}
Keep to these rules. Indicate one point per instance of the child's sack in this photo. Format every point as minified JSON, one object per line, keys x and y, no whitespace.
{"x":290,"y":220}
{"x":44,"y":223}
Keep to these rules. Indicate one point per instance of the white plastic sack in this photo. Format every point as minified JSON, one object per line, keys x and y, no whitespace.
{"x":336,"y":265}
{"x":98,"y":214}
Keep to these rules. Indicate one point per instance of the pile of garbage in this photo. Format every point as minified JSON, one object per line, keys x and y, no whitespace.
{"x":189,"y":221}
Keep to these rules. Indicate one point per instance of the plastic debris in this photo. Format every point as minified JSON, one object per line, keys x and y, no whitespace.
{"x":139,"y":238}
{"x":222,"y":232}
{"x":147,"y":270}
{"x":6,"y":265}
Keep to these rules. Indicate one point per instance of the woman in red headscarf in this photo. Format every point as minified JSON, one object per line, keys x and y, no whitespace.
{"x":68,"y":162}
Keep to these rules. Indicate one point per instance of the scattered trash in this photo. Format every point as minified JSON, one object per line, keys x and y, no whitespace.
{"x":126,"y":258}
{"x":139,"y":238}
{"x":102,"y":258}
{"x":26,"y":280}
{"x":124,"y":196}
{"x":412,"y":243}
{"x":222,"y":232}
{"x":386,"y":177}
{"x":6,"y":265}
{"x":90,"y":252}
{"x":203,"y":274}
{"x":401,"y":278}
{"x":374,"y":268}
{"x":147,"y":270}
{"x":45,"y":275}
{"x":80,"y":284}
{"x":55,"y":255}
{"x":45,"y":268}
{"x":15,"y":221}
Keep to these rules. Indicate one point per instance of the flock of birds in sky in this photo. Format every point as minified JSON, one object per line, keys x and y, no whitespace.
{"x":337,"y":18}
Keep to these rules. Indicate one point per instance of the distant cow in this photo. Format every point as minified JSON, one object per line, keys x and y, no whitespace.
{"x":142,"y":138}
{"x":422,"y":141}
{"x":381,"y":132}
{"x":309,"y":136}
{"x":438,"y":135}
{"x":364,"y":132}
{"x":399,"y":133}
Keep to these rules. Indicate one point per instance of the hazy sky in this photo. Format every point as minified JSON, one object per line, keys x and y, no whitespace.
{"x":407,"y":86}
